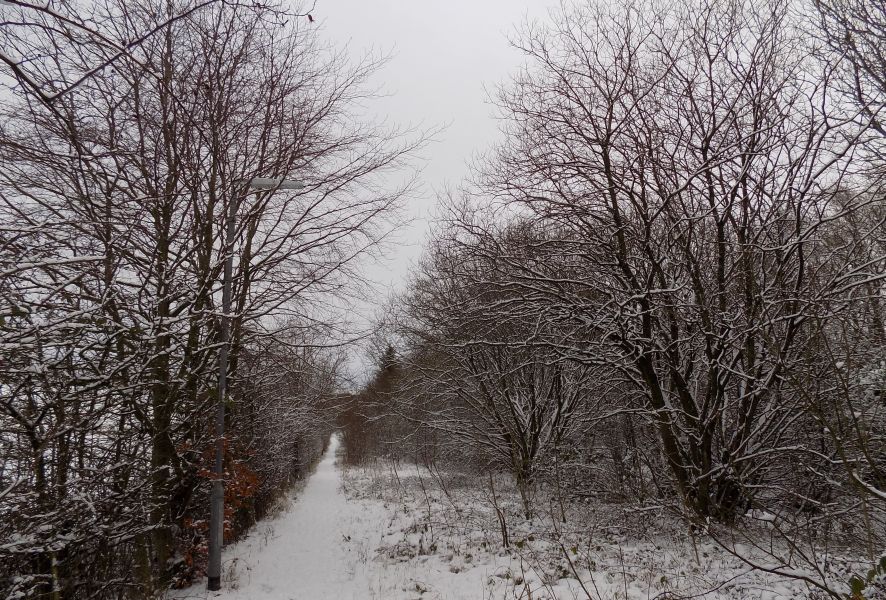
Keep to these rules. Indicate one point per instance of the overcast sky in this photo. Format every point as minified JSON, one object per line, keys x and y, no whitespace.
{"x":445,"y":54}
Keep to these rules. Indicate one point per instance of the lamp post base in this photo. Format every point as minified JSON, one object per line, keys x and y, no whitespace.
{"x":214,"y":584}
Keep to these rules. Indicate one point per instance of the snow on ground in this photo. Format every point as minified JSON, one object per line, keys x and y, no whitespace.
{"x":324,"y":546}
{"x":315,"y":549}
{"x":446,"y":522}
{"x":403,"y":532}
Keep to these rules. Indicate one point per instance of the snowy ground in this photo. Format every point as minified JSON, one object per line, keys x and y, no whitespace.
{"x":407,"y":533}
{"x":317,"y":548}
{"x":325,"y":546}
{"x":445,"y":533}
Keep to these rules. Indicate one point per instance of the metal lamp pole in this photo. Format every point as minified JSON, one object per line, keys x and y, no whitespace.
{"x":217,"y":498}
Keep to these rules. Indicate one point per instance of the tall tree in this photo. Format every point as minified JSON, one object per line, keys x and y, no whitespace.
{"x":687,"y":154}
{"x":122,"y":188}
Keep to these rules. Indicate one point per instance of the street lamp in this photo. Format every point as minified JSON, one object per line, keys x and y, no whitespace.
{"x":217,"y":498}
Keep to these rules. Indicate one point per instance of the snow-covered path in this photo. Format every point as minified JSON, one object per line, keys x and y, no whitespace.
{"x":317,"y":549}
{"x":324,"y":545}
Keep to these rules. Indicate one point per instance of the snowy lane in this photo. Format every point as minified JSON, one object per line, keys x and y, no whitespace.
{"x":377,"y":542}
{"x":325,"y":546}
{"x":317,"y":549}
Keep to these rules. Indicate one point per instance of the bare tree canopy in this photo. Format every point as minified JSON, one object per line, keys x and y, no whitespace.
{"x":677,"y":254}
{"x":113,"y":204}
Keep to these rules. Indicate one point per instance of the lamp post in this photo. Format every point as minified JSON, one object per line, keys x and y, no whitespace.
{"x":217,"y":498}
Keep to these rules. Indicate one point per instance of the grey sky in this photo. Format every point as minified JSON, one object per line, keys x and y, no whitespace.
{"x":443,"y":54}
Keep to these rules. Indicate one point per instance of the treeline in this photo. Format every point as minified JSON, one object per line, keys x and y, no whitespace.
{"x":666,"y":284}
{"x":113,"y":203}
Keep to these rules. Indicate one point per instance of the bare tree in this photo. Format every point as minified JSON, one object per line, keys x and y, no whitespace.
{"x":677,"y":253}
{"x":854,"y":30}
{"x":122,"y":187}
{"x":50,"y":49}
{"x":487,"y":377}
{"x":685,"y":153}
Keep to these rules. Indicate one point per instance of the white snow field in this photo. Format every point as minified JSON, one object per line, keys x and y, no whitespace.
{"x":324,"y":547}
{"x":387,"y":532}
